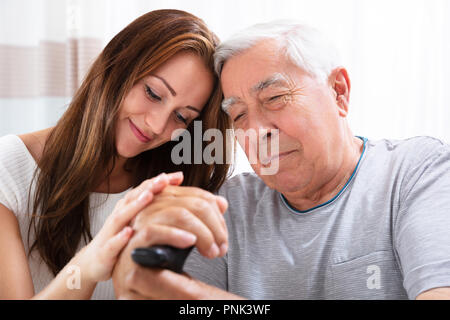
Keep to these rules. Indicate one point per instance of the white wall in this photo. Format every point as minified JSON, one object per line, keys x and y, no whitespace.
{"x":396,"y":52}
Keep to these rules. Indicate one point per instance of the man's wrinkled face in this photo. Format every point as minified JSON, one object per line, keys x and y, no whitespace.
{"x":263,"y":91}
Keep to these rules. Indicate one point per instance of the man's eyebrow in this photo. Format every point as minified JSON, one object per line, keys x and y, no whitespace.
{"x":228,"y":103}
{"x":276,"y":79}
{"x":166,"y":84}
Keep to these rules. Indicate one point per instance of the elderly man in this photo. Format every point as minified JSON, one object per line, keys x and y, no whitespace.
{"x":343,"y":217}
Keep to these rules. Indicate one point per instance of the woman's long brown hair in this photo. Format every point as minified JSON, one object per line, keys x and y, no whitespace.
{"x":81,"y":147}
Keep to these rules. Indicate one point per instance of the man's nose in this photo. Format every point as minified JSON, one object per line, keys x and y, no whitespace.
{"x":261,"y":124}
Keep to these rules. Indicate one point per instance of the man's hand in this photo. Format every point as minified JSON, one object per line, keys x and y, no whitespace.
{"x":181,"y":217}
{"x":145,"y":283}
{"x":188,"y":209}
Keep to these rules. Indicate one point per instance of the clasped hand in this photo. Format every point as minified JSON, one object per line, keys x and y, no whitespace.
{"x":180,"y":217}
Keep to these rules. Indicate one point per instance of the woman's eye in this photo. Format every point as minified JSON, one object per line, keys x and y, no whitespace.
{"x":181,"y":118}
{"x":151,"y":94}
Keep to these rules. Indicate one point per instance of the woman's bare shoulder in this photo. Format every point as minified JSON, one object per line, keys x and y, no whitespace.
{"x":35,"y":142}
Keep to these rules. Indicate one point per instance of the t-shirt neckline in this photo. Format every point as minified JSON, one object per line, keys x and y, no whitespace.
{"x":30,"y":158}
{"x":292,"y":209}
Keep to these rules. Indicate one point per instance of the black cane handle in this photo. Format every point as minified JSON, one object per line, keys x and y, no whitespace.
{"x":162,"y":256}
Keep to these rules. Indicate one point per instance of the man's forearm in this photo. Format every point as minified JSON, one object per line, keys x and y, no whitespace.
{"x":435,"y":294}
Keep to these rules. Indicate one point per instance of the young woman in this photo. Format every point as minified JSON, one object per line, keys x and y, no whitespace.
{"x":61,"y":186}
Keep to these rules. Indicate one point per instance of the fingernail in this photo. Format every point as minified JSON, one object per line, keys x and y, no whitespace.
{"x":126,"y":231}
{"x":223,"y":249}
{"x":143,"y":196}
{"x":213,"y":251}
{"x":187,"y":236}
{"x":223,"y":201}
{"x":159,"y":180}
{"x":176,"y":175}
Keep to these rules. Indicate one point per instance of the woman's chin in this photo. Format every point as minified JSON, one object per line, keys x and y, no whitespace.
{"x":127,"y":152}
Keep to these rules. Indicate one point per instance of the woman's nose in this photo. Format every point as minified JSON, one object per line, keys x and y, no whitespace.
{"x":157,"y":121}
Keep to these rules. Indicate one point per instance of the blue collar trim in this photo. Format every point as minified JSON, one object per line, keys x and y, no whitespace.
{"x":343,"y":188}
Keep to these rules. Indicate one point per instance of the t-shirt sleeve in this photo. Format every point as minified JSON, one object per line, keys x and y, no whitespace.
{"x":7,"y":196}
{"x":422,"y":227}
{"x":210,"y":271}
{"x":8,"y":190}
{"x":16,"y":171}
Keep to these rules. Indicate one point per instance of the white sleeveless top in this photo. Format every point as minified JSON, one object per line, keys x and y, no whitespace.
{"x":16,"y":172}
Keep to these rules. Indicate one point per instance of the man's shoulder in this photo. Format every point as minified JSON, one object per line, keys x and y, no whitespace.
{"x":414,"y":150}
{"x":246,"y":184}
{"x":408,"y":143}
{"x":243,"y":178}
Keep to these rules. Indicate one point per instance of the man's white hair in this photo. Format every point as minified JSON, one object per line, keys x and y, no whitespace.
{"x":302,"y":45}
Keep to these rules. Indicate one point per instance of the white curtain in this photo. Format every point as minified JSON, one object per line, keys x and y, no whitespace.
{"x":396,"y":51}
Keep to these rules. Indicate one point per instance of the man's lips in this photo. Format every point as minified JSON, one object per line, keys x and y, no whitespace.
{"x":278,"y":156}
{"x":138,"y":133}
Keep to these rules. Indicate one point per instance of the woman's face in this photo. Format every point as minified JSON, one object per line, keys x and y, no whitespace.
{"x":170,"y":98}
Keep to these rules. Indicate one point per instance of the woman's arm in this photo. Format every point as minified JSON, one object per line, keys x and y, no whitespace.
{"x":94,"y":263}
{"x":15,"y":277}
{"x":71,"y":283}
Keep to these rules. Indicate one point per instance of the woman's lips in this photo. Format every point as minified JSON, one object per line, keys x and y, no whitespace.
{"x":138,"y":133}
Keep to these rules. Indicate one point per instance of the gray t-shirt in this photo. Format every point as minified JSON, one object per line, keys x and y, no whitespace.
{"x":386,"y":235}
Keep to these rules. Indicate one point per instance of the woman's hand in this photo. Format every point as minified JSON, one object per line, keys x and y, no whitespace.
{"x":181,"y":217}
{"x":98,"y":258}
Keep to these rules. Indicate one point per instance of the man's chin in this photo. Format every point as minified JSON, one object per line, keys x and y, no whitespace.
{"x":282,"y":181}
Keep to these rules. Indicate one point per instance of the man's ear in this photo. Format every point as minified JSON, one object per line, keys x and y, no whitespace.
{"x":340,"y":84}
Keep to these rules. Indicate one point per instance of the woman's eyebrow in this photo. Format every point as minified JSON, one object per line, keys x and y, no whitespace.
{"x":166,"y":84}
{"x":174,"y":93}
{"x":193,"y":109}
